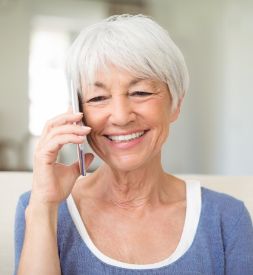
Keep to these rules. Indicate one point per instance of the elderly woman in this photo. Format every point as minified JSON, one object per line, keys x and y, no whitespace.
{"x":129,"y":216}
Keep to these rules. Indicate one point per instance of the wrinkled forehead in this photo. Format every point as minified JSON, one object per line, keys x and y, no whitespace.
{"x":108,"y":73}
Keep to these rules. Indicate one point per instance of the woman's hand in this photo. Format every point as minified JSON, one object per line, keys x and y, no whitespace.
{"x":52,"y":181}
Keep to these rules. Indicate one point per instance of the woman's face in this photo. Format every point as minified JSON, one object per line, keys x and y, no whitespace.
{"x":129,"y":117}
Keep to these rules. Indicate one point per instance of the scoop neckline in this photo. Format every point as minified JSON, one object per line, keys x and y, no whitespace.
{"x":193,"y":209}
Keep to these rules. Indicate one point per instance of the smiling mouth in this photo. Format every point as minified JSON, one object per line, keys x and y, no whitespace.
{"x":125,"y":138}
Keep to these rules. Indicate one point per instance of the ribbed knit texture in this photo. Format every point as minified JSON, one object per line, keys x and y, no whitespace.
{"x":223,"y":243}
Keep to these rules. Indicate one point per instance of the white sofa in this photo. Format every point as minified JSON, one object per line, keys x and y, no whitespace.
{"x":15,"y":183}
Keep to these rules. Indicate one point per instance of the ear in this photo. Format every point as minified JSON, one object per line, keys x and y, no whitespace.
{"x":175,"y":113}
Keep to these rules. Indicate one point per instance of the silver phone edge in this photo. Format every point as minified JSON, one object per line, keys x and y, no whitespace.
{"x":75,"y":106}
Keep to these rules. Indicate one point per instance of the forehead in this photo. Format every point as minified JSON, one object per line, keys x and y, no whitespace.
{"x":114,"y":76}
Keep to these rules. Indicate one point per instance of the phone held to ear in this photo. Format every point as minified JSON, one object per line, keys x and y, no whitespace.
{"x":77,"y":107}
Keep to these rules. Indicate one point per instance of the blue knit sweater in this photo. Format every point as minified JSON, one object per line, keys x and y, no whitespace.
{"x":223,"y":242}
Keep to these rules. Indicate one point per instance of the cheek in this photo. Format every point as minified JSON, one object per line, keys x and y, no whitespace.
{"x":159,"y":119}
{"x":94,"y":118}
{"x":158,"y":113}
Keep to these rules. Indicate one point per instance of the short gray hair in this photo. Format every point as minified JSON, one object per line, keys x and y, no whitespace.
{"x":135,"y":43}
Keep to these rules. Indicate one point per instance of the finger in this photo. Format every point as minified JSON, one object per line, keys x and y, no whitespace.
{"x":75,"y":170}
{"x":66,"y":118}
{"x":49,"y":151}
{"x":69,"y":172}
{"x":68,"y":129}
{"x":88,"y":159}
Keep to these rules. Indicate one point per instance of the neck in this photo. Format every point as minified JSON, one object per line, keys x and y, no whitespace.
{"x":133,"y":189}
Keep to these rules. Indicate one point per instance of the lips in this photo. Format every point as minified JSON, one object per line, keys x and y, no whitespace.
{"x":126,"y":137}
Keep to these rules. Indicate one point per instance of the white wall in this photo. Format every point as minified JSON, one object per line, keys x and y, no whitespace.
{"x":237,"y":139}
{"x":16,"y":22}
{"x":14,"y":44}
{"x":195,"y":27}
{"x":15,"y":25}
{"x":215,"y":131}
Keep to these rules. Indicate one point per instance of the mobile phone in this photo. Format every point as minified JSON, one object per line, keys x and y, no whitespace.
{"x":77,"y":107}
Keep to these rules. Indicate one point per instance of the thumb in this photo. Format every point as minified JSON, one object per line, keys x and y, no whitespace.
{"x":76,"y":168}
{"x":88,"y":159}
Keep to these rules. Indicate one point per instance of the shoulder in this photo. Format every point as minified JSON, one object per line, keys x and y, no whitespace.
{"x":221,"y":202}
{"x":224,"y":210}
{"x":24,"y":200}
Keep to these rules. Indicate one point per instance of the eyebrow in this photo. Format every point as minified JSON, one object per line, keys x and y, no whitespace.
{"x":100,"y":85}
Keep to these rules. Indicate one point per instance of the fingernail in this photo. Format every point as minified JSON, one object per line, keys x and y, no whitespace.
{"x":86,"y":127}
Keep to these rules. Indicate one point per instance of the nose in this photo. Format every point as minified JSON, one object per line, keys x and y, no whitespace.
{"x":121,"y":112}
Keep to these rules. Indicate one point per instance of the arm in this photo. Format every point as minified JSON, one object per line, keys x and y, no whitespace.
{"x":239,"y":246}
{"x":41,"y":249}
{"x":52,"y":183}
{"x":40,"y":253}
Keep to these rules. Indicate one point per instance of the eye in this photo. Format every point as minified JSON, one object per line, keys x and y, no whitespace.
{"x":140,"y":93}
{"x":97,"y":99}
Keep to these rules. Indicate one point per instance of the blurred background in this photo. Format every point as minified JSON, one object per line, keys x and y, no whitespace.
{"x":214,"y":134}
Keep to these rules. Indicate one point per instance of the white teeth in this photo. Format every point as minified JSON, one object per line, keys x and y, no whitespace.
{"x":126,"y":137}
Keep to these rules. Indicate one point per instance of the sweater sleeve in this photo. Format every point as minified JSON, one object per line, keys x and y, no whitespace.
{"x":239,"y":245}
{"x":20,"y":227}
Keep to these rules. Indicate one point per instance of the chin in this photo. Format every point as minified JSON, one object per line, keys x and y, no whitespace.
{"x":127,"y":163}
